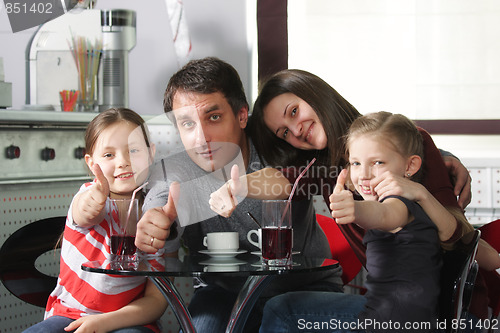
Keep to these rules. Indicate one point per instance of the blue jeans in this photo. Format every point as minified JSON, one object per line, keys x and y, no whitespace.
{"x":56,"y":324}
{"x":211,"y":307}
{"x":311,"y":311}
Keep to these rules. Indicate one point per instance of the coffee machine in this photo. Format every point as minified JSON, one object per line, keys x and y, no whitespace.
{"x":51,"y":67}
{"x":118,"y":37}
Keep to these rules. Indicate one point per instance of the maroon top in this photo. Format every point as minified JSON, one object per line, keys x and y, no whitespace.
{"x":437,"y":182}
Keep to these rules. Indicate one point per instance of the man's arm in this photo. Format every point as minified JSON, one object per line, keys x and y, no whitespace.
{"x":154,"y":227}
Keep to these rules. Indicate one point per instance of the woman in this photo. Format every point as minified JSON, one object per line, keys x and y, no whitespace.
{"x":298,"y":116}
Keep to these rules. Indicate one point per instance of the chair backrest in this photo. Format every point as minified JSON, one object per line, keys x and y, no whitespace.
{"x":340,"y":248}
{"x":490,"y":232}
{"x":458,"y":276}
{"x":18,"y":255}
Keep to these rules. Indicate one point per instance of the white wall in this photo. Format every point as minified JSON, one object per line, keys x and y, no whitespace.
{"x":217,"y":28}
{"x":436,"y":59}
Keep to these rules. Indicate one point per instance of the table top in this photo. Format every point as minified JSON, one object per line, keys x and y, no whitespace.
{"x":199,"y":265}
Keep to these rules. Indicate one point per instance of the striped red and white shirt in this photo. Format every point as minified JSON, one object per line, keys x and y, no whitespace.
{"x":79,"y":293}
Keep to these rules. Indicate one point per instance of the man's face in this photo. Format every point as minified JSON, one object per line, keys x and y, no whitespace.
{"x":210,"y":132}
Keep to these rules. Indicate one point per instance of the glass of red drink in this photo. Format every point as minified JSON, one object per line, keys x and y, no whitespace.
{"x":277,"y":232}
{"x":124,"y":214}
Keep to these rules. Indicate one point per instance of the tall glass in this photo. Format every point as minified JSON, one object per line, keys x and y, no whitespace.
{"x":124,"y":216}
{"x":277,"y":232}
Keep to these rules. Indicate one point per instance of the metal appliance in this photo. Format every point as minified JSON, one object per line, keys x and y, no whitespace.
{"x":5,"y":89}
{"x":42,"y":168}
{"x":119,"y":37}
{"x":51,"y":67}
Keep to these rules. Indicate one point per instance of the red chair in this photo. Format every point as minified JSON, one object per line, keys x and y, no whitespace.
{"x":491,"y":234}
{"x":340,"y":248}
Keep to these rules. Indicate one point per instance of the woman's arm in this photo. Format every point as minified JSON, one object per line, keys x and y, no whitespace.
{"x":487,"y":257}
{"x":436,"y":177}
{"x":264,"y":184}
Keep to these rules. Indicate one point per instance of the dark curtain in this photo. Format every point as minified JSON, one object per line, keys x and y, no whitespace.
{"x":272,"y":37}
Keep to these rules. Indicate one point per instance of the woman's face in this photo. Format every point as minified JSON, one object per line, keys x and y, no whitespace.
{"x":295,"y":121}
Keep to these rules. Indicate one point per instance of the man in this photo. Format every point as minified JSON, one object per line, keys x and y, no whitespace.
{"x":209,"y":108}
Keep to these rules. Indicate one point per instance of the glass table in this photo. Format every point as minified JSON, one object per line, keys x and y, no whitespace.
{"x":161,"y":269}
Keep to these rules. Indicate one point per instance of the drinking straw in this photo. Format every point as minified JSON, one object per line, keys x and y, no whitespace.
{"x":68,"y":99}
{"x":86,"y":56}
{"x":300,"y":176}
{"x":254,"y":219}
{"x":293,"y":189}
{"x":132,"y":202}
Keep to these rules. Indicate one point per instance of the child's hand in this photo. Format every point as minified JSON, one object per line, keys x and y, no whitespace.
{"x":389,"y":183}
{"x":223,"y":201}
{"x":89,"y":205}
{"x":342,"y":201}
{"x":93,"y":203}
{"x":101,"y":187}
{"x":91,"y":324}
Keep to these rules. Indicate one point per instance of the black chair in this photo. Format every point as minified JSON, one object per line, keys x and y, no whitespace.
{"x":458,"y":276}
{"x":18,"y":255}
{"x":490,"y":232}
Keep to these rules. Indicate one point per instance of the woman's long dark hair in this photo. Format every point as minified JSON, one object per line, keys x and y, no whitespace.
{"x":335,"y":113}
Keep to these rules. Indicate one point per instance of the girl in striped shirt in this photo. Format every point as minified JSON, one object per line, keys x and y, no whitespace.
{"x":118,"y":153}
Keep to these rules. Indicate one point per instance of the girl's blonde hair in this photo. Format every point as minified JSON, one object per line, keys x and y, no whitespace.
{"x":402,"y":133}
{"x":396,"y":129}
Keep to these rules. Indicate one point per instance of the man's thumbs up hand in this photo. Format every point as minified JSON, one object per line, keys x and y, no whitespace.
{"x":157,"y":224}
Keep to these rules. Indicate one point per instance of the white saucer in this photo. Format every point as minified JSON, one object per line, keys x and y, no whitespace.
{"x":259,"y":253}
{"x":222,"y":262}
{"x":222,"y":254}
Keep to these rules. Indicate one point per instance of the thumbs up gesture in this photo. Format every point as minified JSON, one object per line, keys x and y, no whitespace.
{"x":224,"y":201}
{"x":88,"y":207}
{"x":157,"y":224}
{"x":342,"y":201}
{"x":101,"y":188}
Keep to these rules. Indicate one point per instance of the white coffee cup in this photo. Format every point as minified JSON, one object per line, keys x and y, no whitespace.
{"x":258,"y":233}
{"x":222,"y":241}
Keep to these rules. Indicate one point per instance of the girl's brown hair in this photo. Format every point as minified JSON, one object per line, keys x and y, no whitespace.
{"x":108,"y":118}
{"x":334,"y":112}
